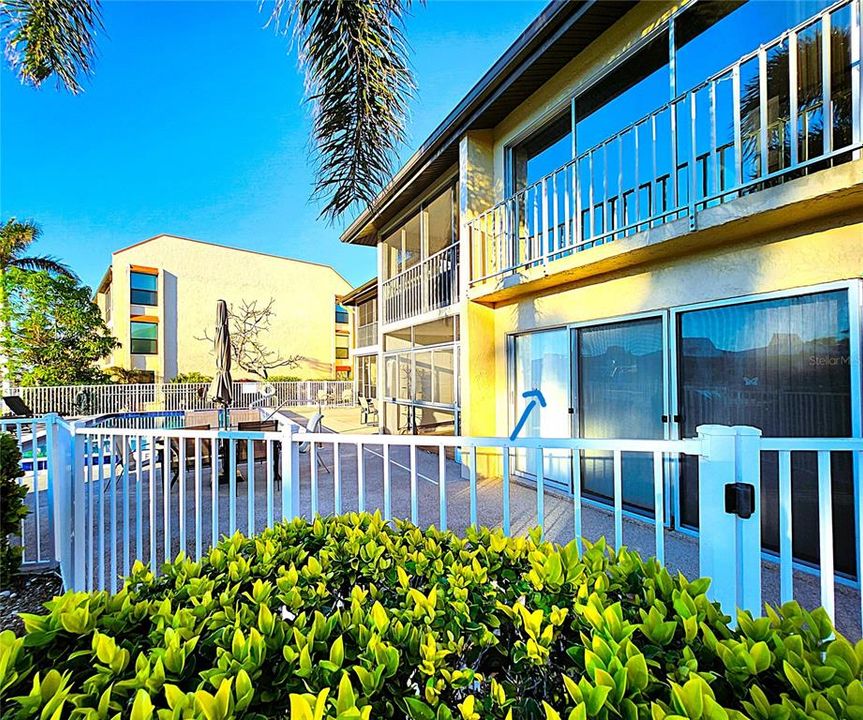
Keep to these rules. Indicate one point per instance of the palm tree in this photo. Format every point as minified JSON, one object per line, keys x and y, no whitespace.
{"x":353,"y":52}
{"x":15,"y":237}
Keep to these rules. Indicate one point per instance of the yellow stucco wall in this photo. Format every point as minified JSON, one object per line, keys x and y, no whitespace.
{"x":194,"y":275}
{"x":779,"y":262}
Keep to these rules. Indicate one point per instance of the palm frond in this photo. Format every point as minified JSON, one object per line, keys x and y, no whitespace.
{"x":45,"y":263}
{"x":15,"y":237}
{"x":359,"y":83}
{"x":46,"y":38}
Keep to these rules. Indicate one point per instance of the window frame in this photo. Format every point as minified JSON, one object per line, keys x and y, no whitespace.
{"x":152,"y":295}
{"x":133,"y":339}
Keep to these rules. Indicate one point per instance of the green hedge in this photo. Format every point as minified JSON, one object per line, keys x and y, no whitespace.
{"x":349,"y":618}
{"x":12,"y":507}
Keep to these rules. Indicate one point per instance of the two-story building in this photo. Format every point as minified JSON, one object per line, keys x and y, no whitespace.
{"x":159,"y":298}
{"x":652,"y":212}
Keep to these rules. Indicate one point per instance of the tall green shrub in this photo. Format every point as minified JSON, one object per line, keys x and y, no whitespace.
{"x":12,"y":507}
{"x":349,"y":618}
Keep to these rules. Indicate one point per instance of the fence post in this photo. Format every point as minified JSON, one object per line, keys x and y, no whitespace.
{"x":58,"y":445}
{"x":290,"y":473}
{"x":77,"y":538}
{"x":729,"y":516}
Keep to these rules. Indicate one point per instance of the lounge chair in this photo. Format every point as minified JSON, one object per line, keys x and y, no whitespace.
{"x":18,"y":407}
{"x":313,"y":426}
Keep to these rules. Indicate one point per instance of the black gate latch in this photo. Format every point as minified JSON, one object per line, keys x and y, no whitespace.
{"x":740,"y":500}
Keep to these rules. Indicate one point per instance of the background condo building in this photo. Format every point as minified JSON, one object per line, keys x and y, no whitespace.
{"x":651,"y":212}
{"x":159,"y":299}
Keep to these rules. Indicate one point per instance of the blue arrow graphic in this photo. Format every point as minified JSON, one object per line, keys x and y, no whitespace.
{"x":535,"y":396}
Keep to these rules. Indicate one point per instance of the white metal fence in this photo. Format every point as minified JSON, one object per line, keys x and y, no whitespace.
{"x":106,"y":496}
{"x":101,"y":399}
{"x":744,"y":128}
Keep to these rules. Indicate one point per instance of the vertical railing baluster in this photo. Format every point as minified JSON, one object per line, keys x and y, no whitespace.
{"x":506,"y":520}
{"x":473,"y":492}
{"x":659,"y":507}
{"x":856,"y":108}
{"x":555,"y":230}
{"x":270,"y":482}
{"x":738,"y":140}
{"x":786,"y":549}
{"x":441,"y":475}
{"x":618,"y":501}
{"x":825,"y":533}
{"x":540,"y":488}
{"x":198,"y":497}
{"x":91,"y":516}
{"x":34,"y":476}
{"x":232,"y":485}
{"x":792,"y":96}
{"x":166,"y":498}
{"x":313,"y":460}
{"x":215,"y":445}
{"x":181,"y":491}
{"x":250,"y":486}
{"x":139,"y":498}
{"x":414,"y":489}
{"x":151,"y":445}
{"x":826,"y":77}
{"x":762,"y":109}
{"x":388,"y":512}
{"x":337,"y":479}
{"x":361,"y":479}
{"x":693,"y":158}
{"x":100,"y":442}
{"x":126,"y":517}
{"x":113,"y":497}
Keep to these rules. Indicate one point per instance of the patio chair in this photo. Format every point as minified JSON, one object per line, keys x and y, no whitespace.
{"x":189,"y":444}
{"x":259,"y":447}
{"x":313,"y":426}
{"x":347,"y":396}
{"x":18,"y":407}
{"x":322,"y":399}
{"x":367,"y":410}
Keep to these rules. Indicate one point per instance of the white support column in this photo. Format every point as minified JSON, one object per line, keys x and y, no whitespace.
{"x":729,"y":550}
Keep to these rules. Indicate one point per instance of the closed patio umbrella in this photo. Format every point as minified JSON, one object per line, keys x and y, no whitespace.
{"x":221,"y":388}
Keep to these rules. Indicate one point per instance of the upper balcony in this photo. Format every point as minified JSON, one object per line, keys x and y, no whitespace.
{"x":425,"y":287}
{"x":783,"y":111}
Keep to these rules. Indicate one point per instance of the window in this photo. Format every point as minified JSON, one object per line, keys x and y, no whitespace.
{"x":367,"y":375}
{"x":145,"y":338}
{"x":341,"y":315}
{"x":342,"y":345}
{"x":430,"y":229}
{"x":541,"y":153}
{"x":144,"y":288}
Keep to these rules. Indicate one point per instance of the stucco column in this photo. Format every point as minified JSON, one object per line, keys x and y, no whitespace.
{"x":477,"y":359}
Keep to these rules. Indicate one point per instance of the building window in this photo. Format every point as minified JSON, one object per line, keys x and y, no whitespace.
{"x":342,"y":345}
{"x":144,"y":288}
{"x":145,"y":338}
{"x":341,"y":315}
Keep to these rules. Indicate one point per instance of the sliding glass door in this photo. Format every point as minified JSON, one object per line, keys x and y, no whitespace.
{"x":782,"y":365}
{"x":542,"y":363}
{"x":620,"y":393}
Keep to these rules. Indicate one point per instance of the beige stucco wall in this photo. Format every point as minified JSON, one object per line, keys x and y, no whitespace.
{"x":771,"y":263}
{"x":194,"y":275}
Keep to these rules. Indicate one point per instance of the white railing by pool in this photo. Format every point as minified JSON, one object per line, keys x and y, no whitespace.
{"x":73,"y":400}
{"x":115,"y":495}
{"x":731,"y":135}
{"x":429,"y":285}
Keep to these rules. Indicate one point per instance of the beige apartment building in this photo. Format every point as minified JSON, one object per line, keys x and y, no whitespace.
{"x":652,"y":212}
{"x":159,"y":298}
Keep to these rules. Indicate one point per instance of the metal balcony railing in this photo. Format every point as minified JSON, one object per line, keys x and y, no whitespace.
{"x":790,"y":107}
{"x":430,"y":285}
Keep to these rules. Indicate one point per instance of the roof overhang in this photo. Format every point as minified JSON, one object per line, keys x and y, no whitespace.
{"x":367,"y":291}
{"x":561,"y":31}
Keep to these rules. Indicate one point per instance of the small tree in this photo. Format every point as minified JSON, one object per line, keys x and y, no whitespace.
{"x":56,"y":332}
{"x":12,"y":507}
{"x":249,"y":325}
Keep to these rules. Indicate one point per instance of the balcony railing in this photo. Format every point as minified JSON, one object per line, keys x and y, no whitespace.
{"x":429,"y":285}
{"x":367,"y":335}
{"x":752,"y":125}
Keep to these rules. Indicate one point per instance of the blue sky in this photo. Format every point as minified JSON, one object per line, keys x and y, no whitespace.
{"x":194,"y":124}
